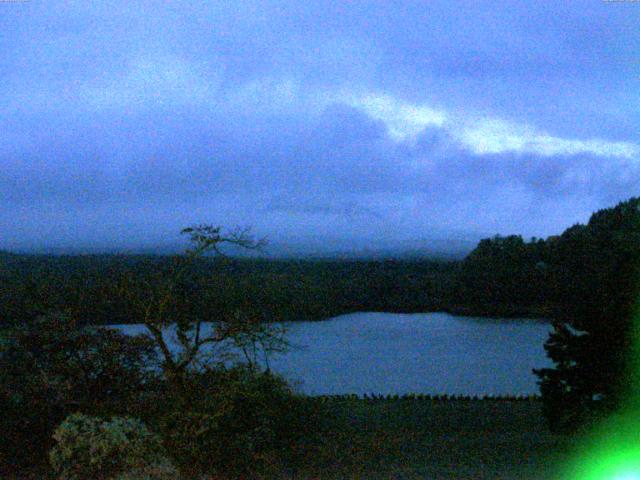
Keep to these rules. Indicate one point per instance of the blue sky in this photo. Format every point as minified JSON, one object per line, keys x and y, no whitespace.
{"x":313,"y":122}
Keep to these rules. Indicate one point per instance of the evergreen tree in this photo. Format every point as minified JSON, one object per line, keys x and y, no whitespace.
{"x":594,"y":280}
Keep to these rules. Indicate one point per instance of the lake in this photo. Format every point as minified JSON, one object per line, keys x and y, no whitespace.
{"x":432,"y":353}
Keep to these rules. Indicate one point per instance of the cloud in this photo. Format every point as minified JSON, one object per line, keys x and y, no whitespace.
{"x":405,"y":122}
{"x":494,"y":136}
{"x":160,"y":79}
{"x":357,"y":119}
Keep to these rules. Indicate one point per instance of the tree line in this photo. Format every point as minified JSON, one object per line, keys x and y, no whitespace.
{"x":87,"y":286}
{"x":586,"y":281}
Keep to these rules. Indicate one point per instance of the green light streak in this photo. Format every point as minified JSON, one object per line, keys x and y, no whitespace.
{"x":612,"y":450}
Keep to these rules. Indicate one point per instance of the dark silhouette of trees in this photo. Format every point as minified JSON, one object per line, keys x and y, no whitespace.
{"x":594,"y":285}
{"x":586,"y":281}
{"x":51,"y":367}
{"x":502,"y":276}
{"x":86,"y":286}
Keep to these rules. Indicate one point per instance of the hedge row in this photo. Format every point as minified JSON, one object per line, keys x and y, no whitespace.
{"x":372,"y":397}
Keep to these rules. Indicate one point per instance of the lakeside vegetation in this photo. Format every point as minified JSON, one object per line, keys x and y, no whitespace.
{"x":100,"y":404}
{"x":499,"y":278}
{"x":277,"y":290}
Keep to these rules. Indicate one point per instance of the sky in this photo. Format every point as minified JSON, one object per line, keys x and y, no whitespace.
{"x":322,"y":123}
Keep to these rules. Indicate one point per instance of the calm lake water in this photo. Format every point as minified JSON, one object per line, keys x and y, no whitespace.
{"x":392,"y":353}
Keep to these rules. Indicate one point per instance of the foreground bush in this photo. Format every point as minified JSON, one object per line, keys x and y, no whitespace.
{"x":92,"y":448}
{"x":237,"y":423}
{"x":52,"y":367}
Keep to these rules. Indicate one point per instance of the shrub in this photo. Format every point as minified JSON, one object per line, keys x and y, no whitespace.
{"x":52,"y":367}
{"x":89,"y":447}
{"x":237,"y":423}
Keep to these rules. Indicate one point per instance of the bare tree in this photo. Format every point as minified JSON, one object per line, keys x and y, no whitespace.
{"x":158,"y":301}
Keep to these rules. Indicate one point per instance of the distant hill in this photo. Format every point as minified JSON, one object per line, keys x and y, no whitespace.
{"x":308,"y":248}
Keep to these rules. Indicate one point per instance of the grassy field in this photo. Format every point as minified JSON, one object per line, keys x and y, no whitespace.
{"x":424,"y":439}
{"x":405,"y":439}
